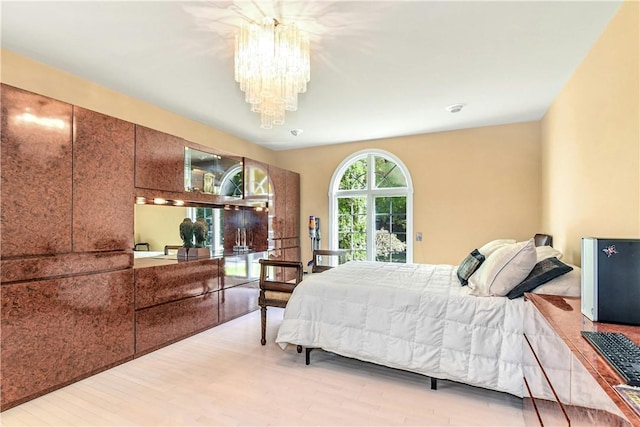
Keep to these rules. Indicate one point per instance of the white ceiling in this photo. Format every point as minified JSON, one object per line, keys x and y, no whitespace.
{"x":378,"y":68}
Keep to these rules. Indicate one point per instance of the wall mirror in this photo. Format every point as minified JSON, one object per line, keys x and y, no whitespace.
{"x":157,"y":234}
{"x":157,"y":229}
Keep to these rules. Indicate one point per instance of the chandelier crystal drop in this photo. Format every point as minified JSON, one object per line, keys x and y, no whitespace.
{"x":272,"y":67}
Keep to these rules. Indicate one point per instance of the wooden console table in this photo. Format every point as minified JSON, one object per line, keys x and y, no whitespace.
{"x":568,"y":382}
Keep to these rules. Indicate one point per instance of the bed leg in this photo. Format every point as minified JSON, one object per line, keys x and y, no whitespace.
{"x":434,"y":383}
{"x":307,"y":356}
{"x":299,"y":349}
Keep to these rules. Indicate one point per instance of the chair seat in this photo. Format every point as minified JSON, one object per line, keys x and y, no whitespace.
{"x":277,"y":296}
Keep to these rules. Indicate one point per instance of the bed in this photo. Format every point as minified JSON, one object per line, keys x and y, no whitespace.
{"x":420,"y":318}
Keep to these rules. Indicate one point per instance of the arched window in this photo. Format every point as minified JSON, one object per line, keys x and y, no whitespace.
{"x":371,"y":208}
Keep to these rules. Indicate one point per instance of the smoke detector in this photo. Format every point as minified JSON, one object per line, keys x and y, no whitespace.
{"x":455,"y":108}
{"x":296,"y":132}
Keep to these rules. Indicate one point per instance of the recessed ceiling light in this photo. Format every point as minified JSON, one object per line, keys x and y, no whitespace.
{"x":296,"y":132}
{"x":455,"y":108}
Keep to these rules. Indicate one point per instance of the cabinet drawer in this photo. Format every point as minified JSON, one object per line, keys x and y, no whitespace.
{"x":161,"y":284}
{"x":163,"y":324}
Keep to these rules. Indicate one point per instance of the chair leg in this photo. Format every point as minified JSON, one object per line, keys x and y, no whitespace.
{"x":263,"y":324}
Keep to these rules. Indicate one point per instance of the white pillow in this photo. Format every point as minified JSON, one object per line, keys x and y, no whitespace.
{"x":504,"y":269}
{"x":494,"y":245}
{"x":544,"y":252}
{"x":567,"y":285}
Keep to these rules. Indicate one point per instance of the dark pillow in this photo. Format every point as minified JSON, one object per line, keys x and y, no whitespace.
{"x":469,"y":265}
{"x":542,"y":272}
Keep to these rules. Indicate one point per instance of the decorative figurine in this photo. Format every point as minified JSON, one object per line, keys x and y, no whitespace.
{"x":208,"y":183}
{"x":200,"y":229}
{"x":186,"y":233}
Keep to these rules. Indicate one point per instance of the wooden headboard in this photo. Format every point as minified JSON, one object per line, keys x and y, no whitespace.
{"x":543,"y":240}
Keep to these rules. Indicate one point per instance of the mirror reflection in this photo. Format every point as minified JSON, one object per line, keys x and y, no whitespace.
{"x":157,"y":229}
{"x":228,"y":230}
{"x":212,"y":174}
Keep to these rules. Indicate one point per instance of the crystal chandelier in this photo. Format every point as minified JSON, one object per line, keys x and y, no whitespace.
{"x":272,"y":67}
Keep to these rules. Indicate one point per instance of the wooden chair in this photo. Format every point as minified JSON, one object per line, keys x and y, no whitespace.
{"x":318,"y":267}
{"x":137,"y":246}
{"x":274,"y":291}
{"x":168,"y":248}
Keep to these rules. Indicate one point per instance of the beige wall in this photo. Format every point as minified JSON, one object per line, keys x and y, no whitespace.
{"x":36,"y":77}
{"x":470,"y":186}
{"x":591,"y":143}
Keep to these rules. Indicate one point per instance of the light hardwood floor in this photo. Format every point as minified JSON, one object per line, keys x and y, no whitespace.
{"x":225,"y":377}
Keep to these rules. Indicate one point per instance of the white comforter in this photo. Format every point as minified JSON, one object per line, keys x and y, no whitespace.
{"x":414,"y":317}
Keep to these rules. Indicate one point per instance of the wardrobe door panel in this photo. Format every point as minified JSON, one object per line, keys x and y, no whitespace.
{"x":103,"y":150}
{"x":36,"y":174}
{"x":159,"y":160}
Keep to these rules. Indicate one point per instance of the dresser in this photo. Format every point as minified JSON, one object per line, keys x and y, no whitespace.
{"x":567,"y":383}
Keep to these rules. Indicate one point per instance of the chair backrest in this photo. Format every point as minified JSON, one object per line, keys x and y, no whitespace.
{"x":279,"y":282}
{"x":321,"y":256}
{"x":137,"y":246}
{"x":168,"y":248}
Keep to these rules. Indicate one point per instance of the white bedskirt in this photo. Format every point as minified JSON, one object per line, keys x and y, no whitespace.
{"x":414,"y":317}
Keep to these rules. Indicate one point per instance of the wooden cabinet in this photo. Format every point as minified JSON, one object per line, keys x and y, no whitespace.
{"x":72,"y":304}
{"x":277,"y":210}
{"x":292,"y":205}
{"x":175,"y":300}
{"x":67,"y":234}
{"x":285,"y":219}
{"x":56,"y":331}
{"x":177,"y":280}
{"x":565,"y":382}
{"x":36,"y":164}
{"x":164,"y":324}
{"x":60,"y":196}
{"x":159,"y":160}
{"x":285,"y":212}
{"x":103,"y":162}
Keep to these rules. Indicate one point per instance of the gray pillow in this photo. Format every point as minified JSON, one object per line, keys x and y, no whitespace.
{"x":544,"y":271}
{"x":469,"y":265}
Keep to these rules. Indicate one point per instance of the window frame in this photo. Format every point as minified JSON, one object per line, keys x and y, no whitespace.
{"x":370,"y":193}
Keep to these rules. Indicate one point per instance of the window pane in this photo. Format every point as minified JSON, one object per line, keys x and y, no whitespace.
{"x":352,"y":226}
{"x":391,"y":229}
{"x":355,"y":177}
{"x":384,"y":218}
{"x":398,"y":224}
{"x":388,"y":174}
